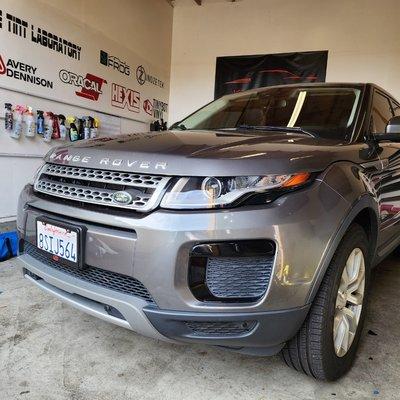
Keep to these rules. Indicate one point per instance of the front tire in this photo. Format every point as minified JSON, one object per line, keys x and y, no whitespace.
{"x":325,"y":346}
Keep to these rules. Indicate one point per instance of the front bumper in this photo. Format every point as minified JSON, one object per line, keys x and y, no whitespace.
{"x":155,"y":249}
{"x":270,"y":330}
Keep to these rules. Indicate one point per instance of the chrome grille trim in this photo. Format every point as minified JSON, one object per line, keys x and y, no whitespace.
{"x":97,"y":187}
{"x":98,"y":175}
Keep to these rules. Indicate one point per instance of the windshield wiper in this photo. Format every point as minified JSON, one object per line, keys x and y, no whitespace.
{"x":294,"y":129}
{"x":181,"y":127}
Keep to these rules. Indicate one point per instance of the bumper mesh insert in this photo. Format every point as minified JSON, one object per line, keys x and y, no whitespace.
{"x":239,"y":277}
{"x":107,"y":279}
{"x":228,"y":328}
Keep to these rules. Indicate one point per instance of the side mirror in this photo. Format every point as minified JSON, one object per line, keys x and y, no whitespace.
{"x":393,"y":126}
{"x":392,"y":132}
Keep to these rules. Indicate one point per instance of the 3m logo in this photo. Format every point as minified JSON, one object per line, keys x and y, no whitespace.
{"x":123,"y":97}
{"x":3,"y":68}
{"x":148,"y":107}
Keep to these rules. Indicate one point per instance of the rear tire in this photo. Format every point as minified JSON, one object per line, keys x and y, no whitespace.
{"x":320,"y":348}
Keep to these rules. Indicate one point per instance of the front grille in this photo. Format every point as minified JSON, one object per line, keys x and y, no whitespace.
{"x":95,"y":186}
{"x":239,"y":277}
{"x":228,"y":328}
{"x":107,"y":279}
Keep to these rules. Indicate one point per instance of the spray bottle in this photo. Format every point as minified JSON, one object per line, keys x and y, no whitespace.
{"x":86,"y":127}
{"x":94,"y":130}
{"x":18,"y":112}
{"x":63,"y":128}
{"x":40,"y":123}
{"x":30,"y":123}
{"x":8,"y":118}
{"x":73,"y":129}
{"x":80,"y":125}
{"x":56,"y":128}
{"x":48,"y":126}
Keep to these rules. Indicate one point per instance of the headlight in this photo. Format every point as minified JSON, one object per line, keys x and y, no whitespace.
{"x":212,"y":192}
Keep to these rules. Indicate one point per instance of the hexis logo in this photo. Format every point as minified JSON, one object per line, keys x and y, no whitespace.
{"x":123,"y":97}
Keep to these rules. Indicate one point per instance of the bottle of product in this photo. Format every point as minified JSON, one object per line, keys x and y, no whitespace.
{"x":40,"y":122}
{"x":73,"y":129}
{"x":94,"y":130}
{"x":86,"y":127}
{"x":56,"y":128}
{"x":30,"y":123}
{"x":48,"y":126}
{"x":80,"y":125}
{"x":8,"y":118}
{"x":63,"y":128}
{"x":18,"y":112}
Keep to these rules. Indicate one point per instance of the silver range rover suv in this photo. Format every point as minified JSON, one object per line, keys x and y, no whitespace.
{"x":253,"y":224}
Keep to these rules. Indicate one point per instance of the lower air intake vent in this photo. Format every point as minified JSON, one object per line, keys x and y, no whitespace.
{"x":107,"y":279}
{"x":229,"y":328}
{"x":238,"y":277}
{"x":231,"y":272}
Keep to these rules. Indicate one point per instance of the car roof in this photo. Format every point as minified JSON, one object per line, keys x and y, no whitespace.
{"x":357,"y":85}
{"x":316,"y":84}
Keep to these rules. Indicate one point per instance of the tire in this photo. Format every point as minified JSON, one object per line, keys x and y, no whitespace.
{"x":312,"y":350}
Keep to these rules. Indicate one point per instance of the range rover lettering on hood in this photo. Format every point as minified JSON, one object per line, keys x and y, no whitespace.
{"x":104,"y":162}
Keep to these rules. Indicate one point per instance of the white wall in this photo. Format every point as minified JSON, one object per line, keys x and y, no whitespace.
{"x":19,"y":159}
{"x":362,"y":37}
{"x":143,"y":26}
{"x":140,"y":27}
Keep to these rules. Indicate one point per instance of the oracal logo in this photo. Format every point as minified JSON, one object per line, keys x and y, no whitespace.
{"x":90,"y":84}
{"x":23,"y":72}
{"x":123,"y":97}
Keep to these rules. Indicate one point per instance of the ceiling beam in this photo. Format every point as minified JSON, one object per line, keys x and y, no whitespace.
{"x":198,"y":2}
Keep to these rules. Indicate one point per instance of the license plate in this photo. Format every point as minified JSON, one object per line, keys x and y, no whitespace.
{"x":59,"y":240}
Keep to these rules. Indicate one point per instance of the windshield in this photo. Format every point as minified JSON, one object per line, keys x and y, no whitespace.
{"x":327,"y":112}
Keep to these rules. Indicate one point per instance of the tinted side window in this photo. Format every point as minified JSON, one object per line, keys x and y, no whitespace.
{"x":396,"y":108}
{"x":381,"y":113}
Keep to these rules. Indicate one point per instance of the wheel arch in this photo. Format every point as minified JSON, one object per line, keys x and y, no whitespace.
{"x":365,"y":213}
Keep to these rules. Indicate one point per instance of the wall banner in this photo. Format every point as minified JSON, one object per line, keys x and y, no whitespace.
{"x":238,"y":73}
{"x":50,"y":55}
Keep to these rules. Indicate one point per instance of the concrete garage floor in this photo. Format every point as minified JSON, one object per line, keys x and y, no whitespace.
{"x":51,"y":351}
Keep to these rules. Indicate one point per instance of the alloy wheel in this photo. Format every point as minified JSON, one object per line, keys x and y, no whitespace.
{"x":349,"y":302}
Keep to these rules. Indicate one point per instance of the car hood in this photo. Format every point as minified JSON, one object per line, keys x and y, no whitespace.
{"x":206,"y":153}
